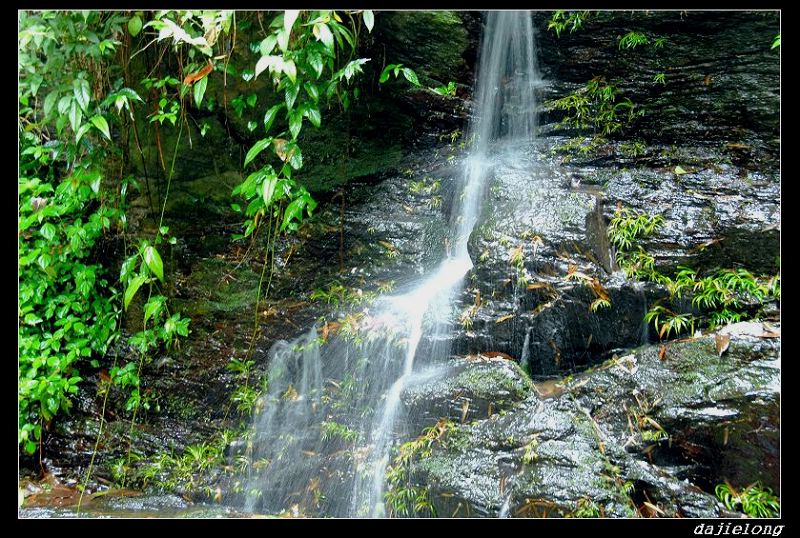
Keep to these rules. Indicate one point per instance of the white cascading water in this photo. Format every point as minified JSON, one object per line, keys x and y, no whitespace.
{"x":333,"y":410}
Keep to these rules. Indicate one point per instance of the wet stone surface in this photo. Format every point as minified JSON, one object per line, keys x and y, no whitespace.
{"x":594,"y":438}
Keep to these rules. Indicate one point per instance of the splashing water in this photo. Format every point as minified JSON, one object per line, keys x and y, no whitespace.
{"x":323,"y":439}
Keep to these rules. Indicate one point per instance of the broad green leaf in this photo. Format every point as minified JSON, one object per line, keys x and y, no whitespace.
{"x":270,"y":116}
{"x":294,"y":211}
{"x":129,"y":93}
{"x":81,"y":90}
{"x":266,"y":62}
{"x":82,"y":130}
{"x":315,"y":60}
{"x":312,"y":91}
{"x":295,"y":122}
{"x":291,"y":70}
{"x":153,"y":306}
{"x":64,"y":104}
{"x":679,"y":170}
{"x":267,"y":45}
{"x":296,"y":158}
{"x":283,"y":40}
{"x":75,"y":116}
{"x":48,"y":231}
{"x":257,"y":148}
{"x":314,"y":116}
{"x":288,"y":19}
{"x":135,"y":25}
{"x":153,"y":261}
{"x":291,"y":95}
{"x":369,"y":19}
{"x":251,"y":100}
{"x":323,"y":33}
{"x":411,"y":76}
{"x":134,"y":285}
{"x":101,"y":125}
{"x":200,"y":90}
{"x":268,"y":189}
{"x":49,"y":103}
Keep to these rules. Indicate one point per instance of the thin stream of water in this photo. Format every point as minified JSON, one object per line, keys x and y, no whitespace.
{"x":333,"y":410}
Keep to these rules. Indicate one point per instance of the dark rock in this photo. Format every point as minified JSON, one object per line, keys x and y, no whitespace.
{"x":544,"y":457}
{"x":471,"y":388}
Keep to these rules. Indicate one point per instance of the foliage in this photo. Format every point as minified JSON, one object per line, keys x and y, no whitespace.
{"x":447,"y":91}
{"x":403,"y":497}
{"x":627,"y":226}
{"x":334,"y":430}
{"x":409,"y":74}
{"x":632,"y":40}
{"x":755,"y":500}
{"x":68,"y":312}
{"x":586,"y":507}
{"x":776,"y":43}
{"x":167,"y":471}
{"x":660,"y":78}
{"x":595,"y":106}
{"x":73,"y":194}
{"x":724,"y":295}
{"x":561,"y":20}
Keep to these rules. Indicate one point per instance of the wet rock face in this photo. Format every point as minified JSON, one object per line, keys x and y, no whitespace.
{"x":595,"y":438}
{"x":721,"y":77}
{"x":468,"y":389}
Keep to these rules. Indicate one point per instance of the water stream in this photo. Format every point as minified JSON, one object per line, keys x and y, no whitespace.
{"x":333,"y":411}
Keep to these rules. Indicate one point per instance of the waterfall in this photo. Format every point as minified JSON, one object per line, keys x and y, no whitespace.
{"x":333,"y":410}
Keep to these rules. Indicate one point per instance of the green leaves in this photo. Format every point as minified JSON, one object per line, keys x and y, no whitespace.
{"x":135,"y":25}
{"x":369,"y":19}
{"x":268,"y":189}
{"x":315,"y":61}
{"x":295,"y":122}
{"x":314,"y":116}
{"x":75,"y":116}
{"x":200,"y":90}
{"x":257,"y":148}
{"x":323,"y":34}
{"x":411,"y":76}
{"x":153,"y":261}
{"x":48,"y":231}
{"x":679,"y":170}
{"x":291,"y":70}
{"x":264,"y":63}
{"x":270,"y":116}
{"x":776,"y":43}
{"x":397,"y":69}
{"x":290,"y":94}
{"x":154,"y":307}
{"x":133,"y":286}
{"x":267,"y":45}
{"x":82,"y":92}
{"x":101,"y":125}
{"x":288,"y":19}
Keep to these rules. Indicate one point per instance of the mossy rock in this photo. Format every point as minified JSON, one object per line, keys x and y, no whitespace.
{"x":432,"y":43}
{"x":472,"y":389}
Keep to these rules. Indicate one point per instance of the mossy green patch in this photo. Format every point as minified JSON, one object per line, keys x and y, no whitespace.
{"x":216,"y":292}
{"x":430,"y":42}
